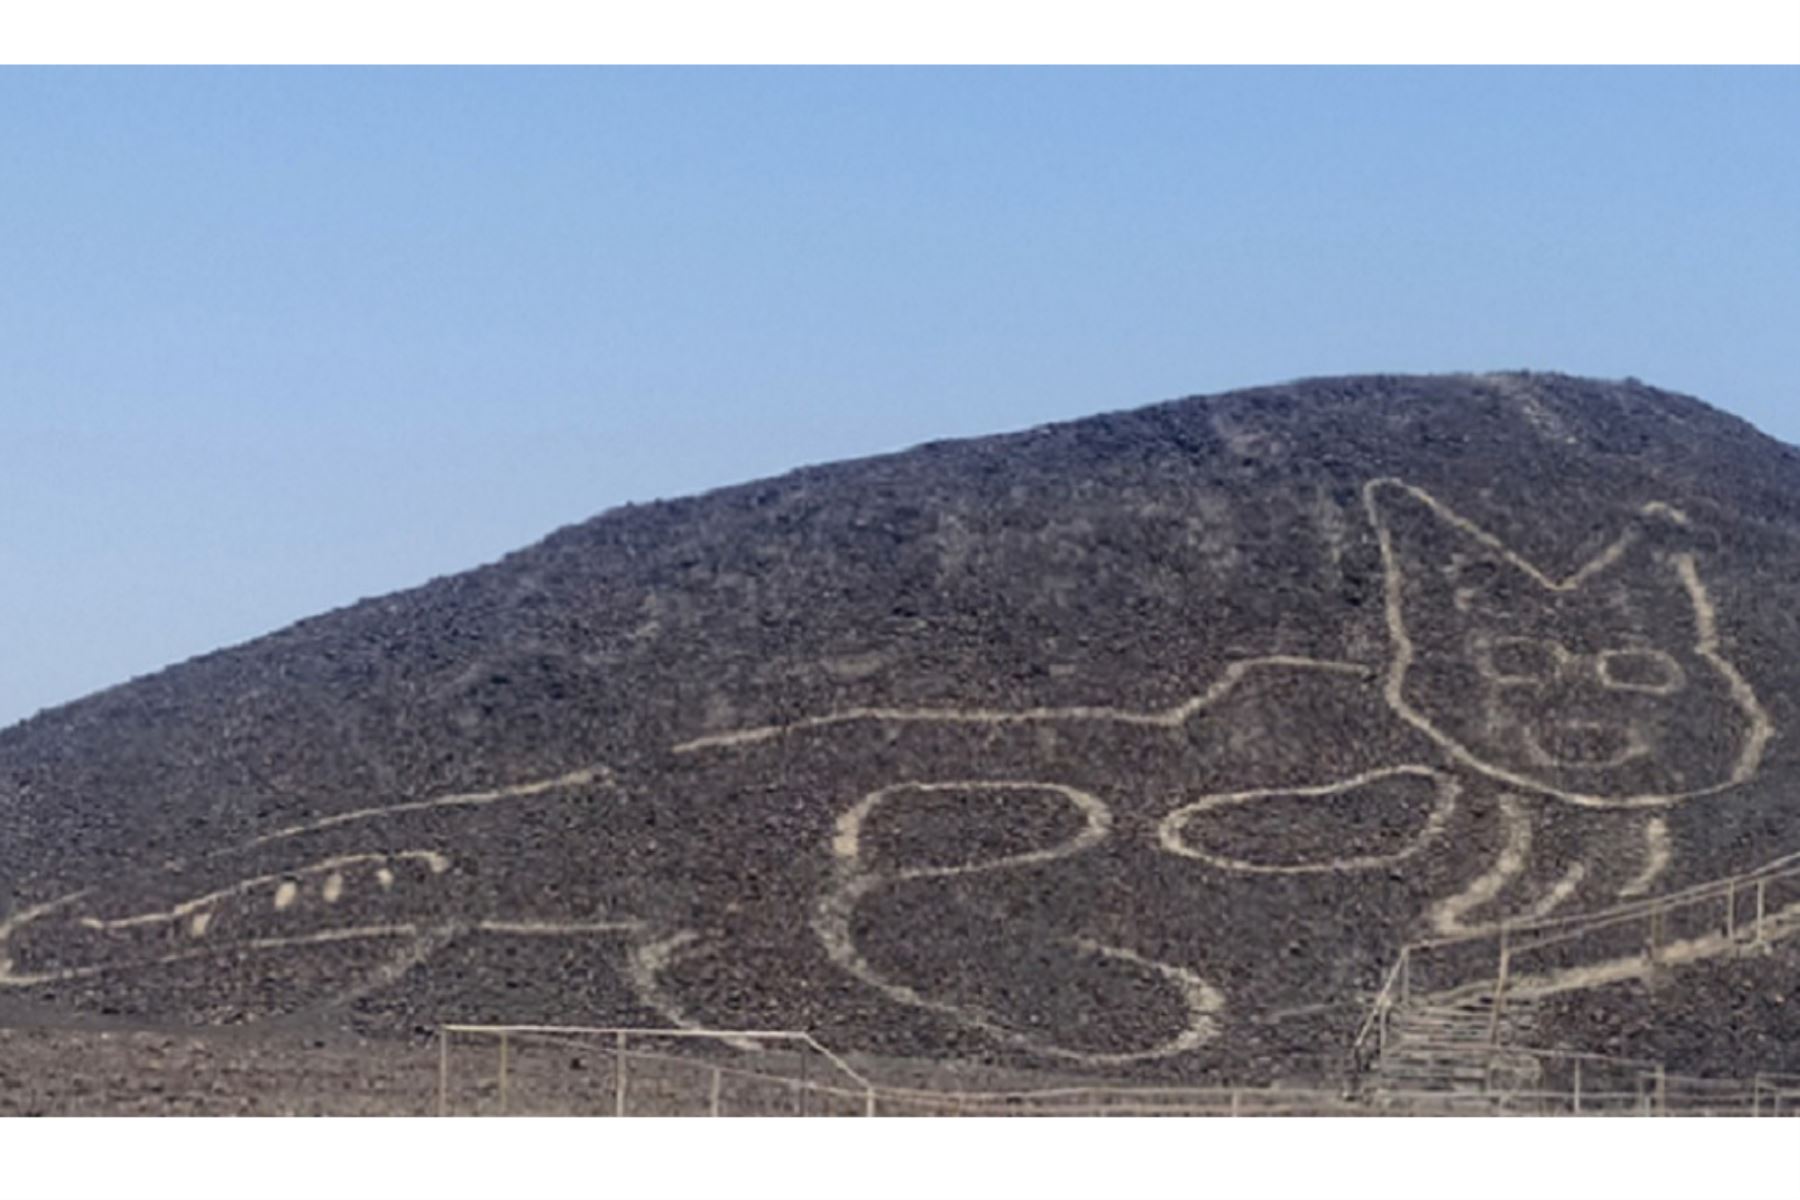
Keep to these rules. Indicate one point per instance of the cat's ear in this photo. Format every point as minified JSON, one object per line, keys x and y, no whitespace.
{"x":1652,"y":582}
{"x":1444,"y":563}
{"x":1439,"y":560}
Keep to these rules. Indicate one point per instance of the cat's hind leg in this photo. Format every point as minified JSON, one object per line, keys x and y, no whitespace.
{"x":931,"y":906}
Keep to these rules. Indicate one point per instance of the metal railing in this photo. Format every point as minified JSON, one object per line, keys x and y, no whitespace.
{"x":1737,"y":914}
{"x":527,"y":1069}
{"x":802,"y":1069}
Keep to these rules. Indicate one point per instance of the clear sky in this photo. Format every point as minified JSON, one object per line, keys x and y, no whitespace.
{"x":274,"y":340}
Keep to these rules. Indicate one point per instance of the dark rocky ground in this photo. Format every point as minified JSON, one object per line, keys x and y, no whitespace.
{"x":493,"y":798}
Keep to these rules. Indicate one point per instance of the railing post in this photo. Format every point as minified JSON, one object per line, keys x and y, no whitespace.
{"x":800,"y":1088}
{"x":718,"y":1077}
{"x":1405,"y":974}
{"x":1761,"y":888}
{"x":1234,"y":1102}
{"x":619,"y":1075}
{"x":1662,"y":1091}
{"x":443,"y":1071}
{"x":1499,"y":989}
{"x":1578,"y":1087}
{"x":1731,"y":911}
{"x":1756,"y":1095}
{"x":869,"y":1102}
{"x":503,"y":1072}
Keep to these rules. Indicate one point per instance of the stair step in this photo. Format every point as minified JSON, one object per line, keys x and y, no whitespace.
{"x":1448,"y":1055}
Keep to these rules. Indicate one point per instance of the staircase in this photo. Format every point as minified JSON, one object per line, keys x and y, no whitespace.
{"x":1452,"y":1053}
{"x":1431,"y":1041}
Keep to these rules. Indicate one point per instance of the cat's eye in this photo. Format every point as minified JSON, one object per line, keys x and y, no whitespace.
{"x":1522,"y":660}
{"x":1640,"y":671}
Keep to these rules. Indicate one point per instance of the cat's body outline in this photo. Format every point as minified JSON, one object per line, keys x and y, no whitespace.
{"x":852,"y":882}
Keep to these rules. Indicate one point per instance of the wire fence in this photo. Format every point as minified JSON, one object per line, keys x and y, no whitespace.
{"x":546,"y":1070}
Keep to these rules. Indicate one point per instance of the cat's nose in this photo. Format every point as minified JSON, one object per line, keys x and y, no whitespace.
{"x":1582,"y":743}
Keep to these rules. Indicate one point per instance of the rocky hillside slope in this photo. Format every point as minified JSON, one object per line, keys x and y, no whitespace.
{"x":1136,"y":744}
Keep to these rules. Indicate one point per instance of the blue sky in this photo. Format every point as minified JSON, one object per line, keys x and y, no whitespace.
{"x":274,"y":340}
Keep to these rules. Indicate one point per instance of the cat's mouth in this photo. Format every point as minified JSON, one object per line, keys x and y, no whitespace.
{"x":1584,"y":744}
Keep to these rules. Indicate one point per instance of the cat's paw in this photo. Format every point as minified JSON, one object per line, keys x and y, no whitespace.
{"x":1371,"y":821}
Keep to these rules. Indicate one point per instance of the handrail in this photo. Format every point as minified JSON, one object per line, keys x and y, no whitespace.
{"x":1382,"y":1000}
{"x":1525,"y":937}
{"x":1619,"y":1060}
{"x":1781,"y":868}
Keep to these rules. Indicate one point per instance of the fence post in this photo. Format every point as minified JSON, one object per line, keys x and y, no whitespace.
{"x":1499,"y":989}
{"x":619,"y":1075}
{"x":1761,"y":887}
{"x":1756,"y":1095}
{"x":1405,"y":974}
{"x":717,"y":1079}
{"x":800,"y":1088}
{"x":503,"y":1072}
{"x":1578,"y":1087}
{"x":1234,"y":1102}
{"x":1662,"y":1092}
{"x":869,"y":1103}
{"x":1731,"y":910}
{"x":443,"y":1071}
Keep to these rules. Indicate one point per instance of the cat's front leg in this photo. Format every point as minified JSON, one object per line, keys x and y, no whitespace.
{"x":1552,"y":862}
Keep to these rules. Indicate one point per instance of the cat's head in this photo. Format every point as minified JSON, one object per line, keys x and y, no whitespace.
{"x":1604,"y":687}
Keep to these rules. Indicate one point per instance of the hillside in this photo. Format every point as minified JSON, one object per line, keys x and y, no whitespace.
{"x":1137,"y":744}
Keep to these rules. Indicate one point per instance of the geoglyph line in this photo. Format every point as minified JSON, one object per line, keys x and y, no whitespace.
{"x":1168,"y":718}
{"x":1558,"y":893}
{"x":427,"y":943}
{"x":645,"y":969}
{"x":580,"y":778}
{"x":1613,"y":552}
{"x":1447,"y":914}
{"x":846,"y":844}
{"x":434,"y":861}
{"x":1656,"y":857}
{"x":1169,"y":832}
{"x":1706,"y":645}
{"x":833,"y":922}
{"x":198,"y":908}
{"x":855,"y":879}
{"x":558,"y":928}
{"x":1783,"y":922}
{"x":1574,"y":924}
{"x":8,"y":977}
{"x":1706,"y":626}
